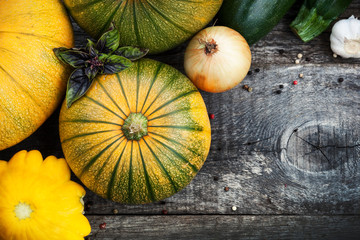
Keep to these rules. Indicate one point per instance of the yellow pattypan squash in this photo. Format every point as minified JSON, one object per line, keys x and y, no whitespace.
{"x":39,"y":201}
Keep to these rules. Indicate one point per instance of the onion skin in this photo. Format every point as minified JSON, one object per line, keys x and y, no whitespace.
{"x":225,"y":66}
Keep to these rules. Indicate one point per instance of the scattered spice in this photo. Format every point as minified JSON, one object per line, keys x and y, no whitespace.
{"x":164,"y":212}
{"x":285,"y":185}
{"x":334,"y":55}
{"x":115,"y":211}
{"x":102,"y":226}
{"x":297,"y":61}
{"x":212,"y":116}
{"x":233,"y":208}
{"x":340,"y":80}
{"x":301,"y":75}
{"x":216,"y":178}
{"x":281,"y":51}
{"x":308,"y":59}
{"x":281,"y":86}
{"x":278,"y":92}
{"x":226,"y":189}
{"x":250,"y":73}
{"x":299,"y":55}
{"x":257,"y":70}
{"x":295,"y":82}
{"x":162,"y":202}
{"x":247,"y":88}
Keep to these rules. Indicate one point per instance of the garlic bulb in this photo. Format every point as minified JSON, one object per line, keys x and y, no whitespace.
{"x":345,"y":38}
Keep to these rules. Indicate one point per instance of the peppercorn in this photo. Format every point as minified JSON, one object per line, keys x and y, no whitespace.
{"x":102,"y":226}
{"x":164,"y":212}
{"x":226,"y":189}
{"x":278,"y":92}
{"x":212,"y":116}
{"x":341,"y":80}
{"x":295,"y":82}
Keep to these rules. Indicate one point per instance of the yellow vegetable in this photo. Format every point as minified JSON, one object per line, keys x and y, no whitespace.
{"x":39,"y":201}
{"x":32,"y":79}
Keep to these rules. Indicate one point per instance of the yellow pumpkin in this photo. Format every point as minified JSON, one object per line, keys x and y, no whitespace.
{"x":137,"y":136}
{"x":32,"y":80}
{"x":38,"y":201}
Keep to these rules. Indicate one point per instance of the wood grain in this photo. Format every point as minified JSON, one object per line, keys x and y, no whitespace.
{"x":225,"y":227}
{"x":290,"y":150}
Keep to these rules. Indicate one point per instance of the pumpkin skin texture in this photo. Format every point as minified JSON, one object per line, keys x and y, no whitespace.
{"x":32,"y":80}
{"x":158,"y":25}
{"x":39,"y":201}
{"x":157,"y":165}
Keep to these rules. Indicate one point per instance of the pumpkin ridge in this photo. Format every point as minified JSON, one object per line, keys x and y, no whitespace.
{"x":107,"y":159}
{"x":123,"y":91}
{"x":176,"y":142}
{"x":93,"y":159}
{"x":156,"y":26}
{"x":195,"y":128}
{"x":111,"y":18}
{"x":183,"y":171}
{"x":35,"y":35}
{"x":130,"y":189}
{"x":162,"y":167}
{"x":181,"y":157}
{"x":96,"y":145}
{"x":170,"y":113}
{"x":136,"y":27}
{"x":173,"y":100}
{"x":158,"y":69}
{"x":112,"y":178}
{"x":137,"y":86}
{"x":89,"y":121}
{"x":109,"y":96}
{"x":167,"y":19}
{"x":23,"y":89}
{"x":168,"y":84}
{"x":147,"y":180}
{"x":87,"y":134}
{"x":103,"y":106}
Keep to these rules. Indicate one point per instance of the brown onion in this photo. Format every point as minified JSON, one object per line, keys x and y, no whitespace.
{"x":217,"y":59}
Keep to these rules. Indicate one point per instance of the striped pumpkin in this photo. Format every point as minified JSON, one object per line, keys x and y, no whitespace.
{"x":32,"y":80}
{"x":158,"y":25}
{"x":154,"y":166}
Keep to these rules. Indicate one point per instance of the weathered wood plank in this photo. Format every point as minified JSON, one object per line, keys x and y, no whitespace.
{"x":268,"y":166}
{"x":225,"y":227}
{"x":297,"y":152}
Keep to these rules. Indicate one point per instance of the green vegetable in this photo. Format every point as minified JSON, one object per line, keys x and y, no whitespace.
{"x":315,"y":16}
{"x":104,"y":57}
{"x":253,"y":19}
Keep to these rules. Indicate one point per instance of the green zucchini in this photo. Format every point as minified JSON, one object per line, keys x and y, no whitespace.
{"x":253,"y":19}
{"x":315,"y":16}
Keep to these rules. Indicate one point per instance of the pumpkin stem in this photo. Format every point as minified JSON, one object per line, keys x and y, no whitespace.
{"x":135,"y":126}
{"x":23,"y":211}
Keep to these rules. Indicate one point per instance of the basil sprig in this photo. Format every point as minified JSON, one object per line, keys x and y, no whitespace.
{"x":106,"y":56}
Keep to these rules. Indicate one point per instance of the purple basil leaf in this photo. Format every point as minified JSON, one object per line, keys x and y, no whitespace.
{"x":91,"y":72}
{"x":78,"y":85}
{"x":132,"y":53}
{"x":114,"y":64}
{"x":91,"y":48}
{"x":74,"y":57}
{"x":109,"y":41}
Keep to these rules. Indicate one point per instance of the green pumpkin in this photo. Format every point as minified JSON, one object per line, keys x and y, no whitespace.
{"x":158,"y":25}
{"x":138,"y":136}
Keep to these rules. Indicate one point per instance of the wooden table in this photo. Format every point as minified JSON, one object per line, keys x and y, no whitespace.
{"x":284,"y":162}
